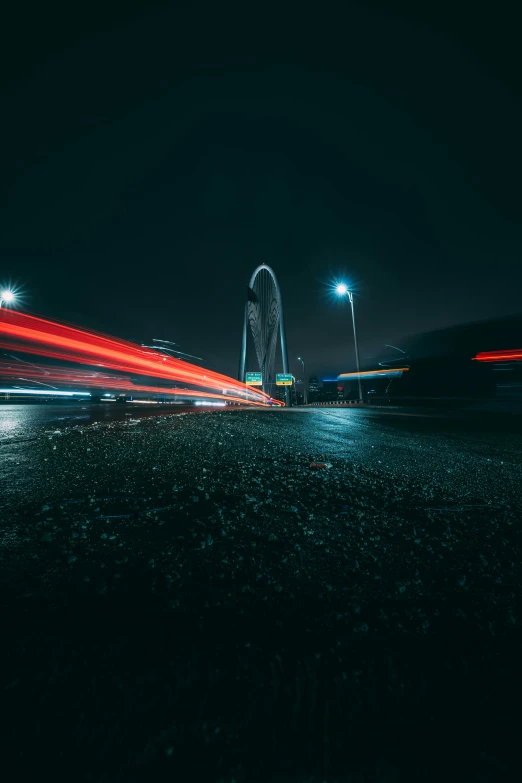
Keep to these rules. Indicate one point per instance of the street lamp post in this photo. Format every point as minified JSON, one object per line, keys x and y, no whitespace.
{"x":305,"y":390}
{"x":6,"y":297}
{"x":342,"y":290}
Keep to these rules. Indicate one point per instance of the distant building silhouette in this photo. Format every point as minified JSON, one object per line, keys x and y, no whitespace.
{"x":313,"y":389}
{"x":279,"y":393}
{"x":331,"y":390}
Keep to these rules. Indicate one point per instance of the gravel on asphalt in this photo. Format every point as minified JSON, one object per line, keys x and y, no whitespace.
{"x":304,"y":595}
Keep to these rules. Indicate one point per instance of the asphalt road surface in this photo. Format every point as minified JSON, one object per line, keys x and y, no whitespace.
{"x":272,"y":595}
{"x":20,"y":420}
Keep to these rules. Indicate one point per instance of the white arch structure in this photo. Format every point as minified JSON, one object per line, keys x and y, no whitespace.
{"x":264,"y":313}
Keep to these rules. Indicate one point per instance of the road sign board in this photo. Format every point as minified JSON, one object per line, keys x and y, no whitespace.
{"x":254,"y":378}
{"x":284,"y":379}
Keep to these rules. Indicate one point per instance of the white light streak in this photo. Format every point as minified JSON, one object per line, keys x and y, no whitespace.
{"x":45,"y":393}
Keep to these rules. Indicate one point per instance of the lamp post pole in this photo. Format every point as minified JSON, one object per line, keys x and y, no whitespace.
{"x":341,"y":290}
{"x":305,"y":389}
{"x":356,"y":348}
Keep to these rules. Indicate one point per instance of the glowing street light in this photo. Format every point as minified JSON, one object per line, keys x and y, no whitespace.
{"x":342,"y":290}
{"x":6,"y":297}
{"x":305,"y":390}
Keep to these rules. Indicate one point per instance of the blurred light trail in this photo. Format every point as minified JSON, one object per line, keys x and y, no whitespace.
{"x":45,"y":393}
{"x":386,"y":345}
{"x":167,"y":342}
{"x":74,"y":377}
{"x":38,"y":336}
{"x":63,"y":375}
{"x":499,"y":356}
{"x":394,"y":372}
{"x":184,"y":394}
{"x":93,"y":380}
{"x":40,"y":383}
{"x":160,"y":348}
{"x":17,"y":359}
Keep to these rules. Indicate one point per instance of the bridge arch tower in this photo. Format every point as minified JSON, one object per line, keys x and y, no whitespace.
{"x":264,"y":315}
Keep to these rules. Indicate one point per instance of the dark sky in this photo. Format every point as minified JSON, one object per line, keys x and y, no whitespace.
{"x":152,"y":156}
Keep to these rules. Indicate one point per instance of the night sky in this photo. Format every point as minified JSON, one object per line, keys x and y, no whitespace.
{"x":153,"y":156}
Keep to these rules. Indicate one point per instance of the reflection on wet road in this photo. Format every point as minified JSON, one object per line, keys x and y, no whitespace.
{"x":22,"y":421}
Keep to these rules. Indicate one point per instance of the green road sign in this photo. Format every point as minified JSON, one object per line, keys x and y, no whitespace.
{"x":254,"y":378}
{"x":284,"y":379}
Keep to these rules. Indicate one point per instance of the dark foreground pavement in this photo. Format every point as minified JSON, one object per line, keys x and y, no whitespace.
{"x":187,"y":599}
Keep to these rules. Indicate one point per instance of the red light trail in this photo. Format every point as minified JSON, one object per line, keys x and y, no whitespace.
{"x":41,"y":337}
{"x":500,"y":356}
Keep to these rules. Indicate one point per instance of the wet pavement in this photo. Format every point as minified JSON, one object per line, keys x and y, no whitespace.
{"x":19,"y":421}
{"x":188,"y":596}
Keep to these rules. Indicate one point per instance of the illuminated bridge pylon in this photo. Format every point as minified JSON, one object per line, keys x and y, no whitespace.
{"x":264,"y":315}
